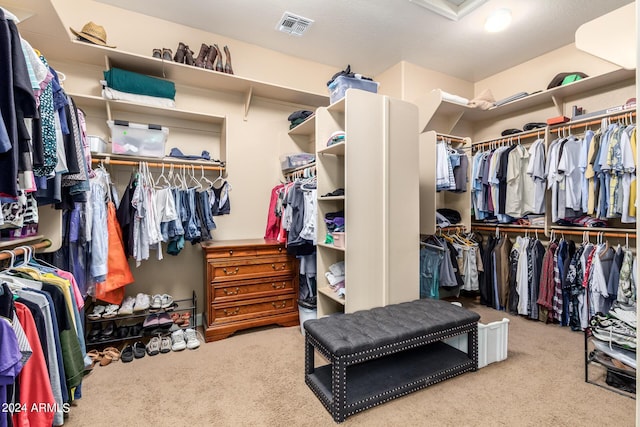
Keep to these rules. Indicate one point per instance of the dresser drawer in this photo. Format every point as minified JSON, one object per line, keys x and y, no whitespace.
{"x":232,"y":252}
{"x":232,"y":291}
{"x":251,"y":309}
{"x":222,"y":271}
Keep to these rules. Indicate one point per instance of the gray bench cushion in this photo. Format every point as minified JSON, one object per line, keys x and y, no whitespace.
{"x":342,"y":334}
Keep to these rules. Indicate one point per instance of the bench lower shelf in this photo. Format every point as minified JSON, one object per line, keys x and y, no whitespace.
{"x":380,"y":380}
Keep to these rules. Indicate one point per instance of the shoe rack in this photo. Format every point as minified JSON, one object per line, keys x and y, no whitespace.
{"x":94,"y":339}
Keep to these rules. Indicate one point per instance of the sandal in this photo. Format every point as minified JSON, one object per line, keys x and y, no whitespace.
{"x":95,"y":357}
{"x":127,"y":354}
{"x":176,"y":318}
{"x":112,"y":352}
{"x":97,"y":312}
{"x":186,"y":319}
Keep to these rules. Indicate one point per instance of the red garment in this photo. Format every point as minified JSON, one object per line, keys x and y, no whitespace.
{"x":547,"y":286}
{"x":36,"y":396}
{"x":273,"y":221}
{"x":118,"y":271}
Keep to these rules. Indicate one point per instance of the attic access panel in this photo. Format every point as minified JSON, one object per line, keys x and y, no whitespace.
{"x":450,"y":9}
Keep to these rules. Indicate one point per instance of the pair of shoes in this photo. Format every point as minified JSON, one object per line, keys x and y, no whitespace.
{"x":129,"y":352}
{"x":109,"y":354}
{"x":159,"y":302}
{"x":181,"y":319}
{"x":98,"y":333}
{"x":182,"y":339}
{"x":160,"y":320}
{"x":207,"y":56}
{"x":183,"y":55}
{"x":163,"y":53}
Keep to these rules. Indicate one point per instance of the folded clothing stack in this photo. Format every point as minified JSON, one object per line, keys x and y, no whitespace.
{"x":121,"y":82}
{"x":296,"y":160}
{"x":583,"y":221}
{"x":297,"y":117}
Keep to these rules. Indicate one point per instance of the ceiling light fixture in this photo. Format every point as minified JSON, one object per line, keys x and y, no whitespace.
{"x":498,"y":21}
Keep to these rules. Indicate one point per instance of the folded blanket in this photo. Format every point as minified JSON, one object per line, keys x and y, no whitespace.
{"x":110,"y":93}
{"x":128,"y":81}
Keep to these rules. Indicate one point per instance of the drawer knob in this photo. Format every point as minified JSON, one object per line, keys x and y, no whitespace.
{"x":275,"y":286}
{"x":283,"y":305}
{"x":231,"y":292}
{"x":231,"y":252}
{"x":280,"y":249}
{"x":231,"y":272}
{"x":284,"y":266}
{"x":231,"y":312}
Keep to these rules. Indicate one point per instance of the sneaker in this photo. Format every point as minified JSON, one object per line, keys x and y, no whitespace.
{"x":165,"y":344}
{"x":142,"y":302}
{"x":192,"y":339}
{"x":177,"y":340}
{"x":97,"y":312}
{"x":166,"y":301}
{"x":156,"y":302}
{"x":153,"y":346}
{"x":127,"y":306}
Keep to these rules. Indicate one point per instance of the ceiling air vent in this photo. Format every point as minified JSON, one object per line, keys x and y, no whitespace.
{"x":293,"y":24}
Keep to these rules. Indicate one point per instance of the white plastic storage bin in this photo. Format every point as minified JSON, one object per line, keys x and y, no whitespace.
{"x":492,"y":342}
{"x":306,"y":314}
{"x":340,"y":84}
{"x":136,"y":139}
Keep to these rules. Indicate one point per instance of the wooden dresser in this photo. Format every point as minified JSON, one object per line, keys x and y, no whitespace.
{"x":248,"y":283}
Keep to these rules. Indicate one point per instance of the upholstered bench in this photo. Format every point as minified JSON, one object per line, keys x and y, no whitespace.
{"x":379,"y":354}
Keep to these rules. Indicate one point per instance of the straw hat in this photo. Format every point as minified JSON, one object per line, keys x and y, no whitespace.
{"x":93,"y":33}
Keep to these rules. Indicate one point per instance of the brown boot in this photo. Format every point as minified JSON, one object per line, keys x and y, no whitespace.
{"x":179,"y":56}
{"x":227,"y":66}
{"x":213,"y":54}
{"x":202,"y":58}
{"x":219,"y":63}
{"x":188,"y":56}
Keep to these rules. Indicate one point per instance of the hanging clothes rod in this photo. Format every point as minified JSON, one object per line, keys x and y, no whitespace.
{"x":510,"y":139}
{"x":298,"y":171}
{"x":453,"y":138}
{"x":505,"y":228}
{"x":108,"y":161}
{"x":4,"y":254}
{"x":598,"y":121}
{"x":594,"y":232}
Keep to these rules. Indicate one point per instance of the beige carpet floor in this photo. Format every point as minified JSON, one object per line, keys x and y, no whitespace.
{"x":256,"y":378}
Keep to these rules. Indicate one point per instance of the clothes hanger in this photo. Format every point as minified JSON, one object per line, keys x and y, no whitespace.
{"x":162,"y":181}
{"x":208,"y":182}
{"x":194,"y":180}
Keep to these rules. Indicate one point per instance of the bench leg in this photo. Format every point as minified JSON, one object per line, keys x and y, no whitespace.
{"x":339,"y":390}
{"x":472,"y":347}
{"x":309,"y":360}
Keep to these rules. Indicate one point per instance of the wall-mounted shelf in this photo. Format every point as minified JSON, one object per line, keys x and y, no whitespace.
{"x":441,"y":115}
{"x":332,"y":295}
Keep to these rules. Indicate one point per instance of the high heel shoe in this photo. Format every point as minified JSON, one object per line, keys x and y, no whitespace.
{"x":219,"y":64}
{"x":203,"y":56}
{"x":227,"y":66}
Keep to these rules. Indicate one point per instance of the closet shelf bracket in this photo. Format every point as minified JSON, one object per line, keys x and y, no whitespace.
{"x":247,"y":102}
{"x":559,"y":104}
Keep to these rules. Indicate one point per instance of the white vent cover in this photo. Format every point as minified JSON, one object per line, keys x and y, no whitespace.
{"x":293,"y":24}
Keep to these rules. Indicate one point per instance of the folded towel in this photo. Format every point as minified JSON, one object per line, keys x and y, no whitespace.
{"x":128,"y":81}
{"x":454,"y":98}
{"x":110,"y":93}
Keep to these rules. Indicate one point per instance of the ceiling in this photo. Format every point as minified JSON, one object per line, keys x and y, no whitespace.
{"x":373,"y":35}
